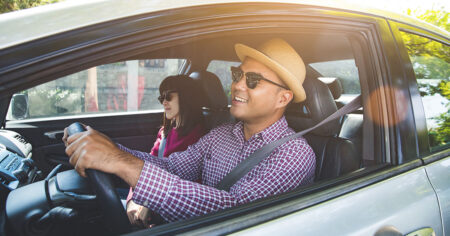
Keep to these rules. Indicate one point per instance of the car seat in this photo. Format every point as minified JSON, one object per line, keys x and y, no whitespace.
{"x":215,"y":106}
{"x":334,"y":155}
{"x":351,"y":124}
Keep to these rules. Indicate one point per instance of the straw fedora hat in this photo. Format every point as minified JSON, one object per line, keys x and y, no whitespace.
{"x":280,"y":57}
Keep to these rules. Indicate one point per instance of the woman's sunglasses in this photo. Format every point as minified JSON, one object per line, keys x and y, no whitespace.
{"x":166,"y":96}
{"x":251,"y":78}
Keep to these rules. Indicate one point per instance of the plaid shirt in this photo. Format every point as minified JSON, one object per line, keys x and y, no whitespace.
{"x":166,"y":185}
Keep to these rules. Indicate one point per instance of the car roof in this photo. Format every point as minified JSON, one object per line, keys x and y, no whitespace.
{"x":39,"y":22}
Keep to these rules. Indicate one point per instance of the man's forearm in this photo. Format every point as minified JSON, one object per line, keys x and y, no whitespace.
{"x":129,"y":168}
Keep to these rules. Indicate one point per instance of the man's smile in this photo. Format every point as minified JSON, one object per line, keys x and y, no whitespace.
{"x":240,"y":99}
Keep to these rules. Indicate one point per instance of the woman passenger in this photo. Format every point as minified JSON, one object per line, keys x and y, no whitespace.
{"x":182,"y":126}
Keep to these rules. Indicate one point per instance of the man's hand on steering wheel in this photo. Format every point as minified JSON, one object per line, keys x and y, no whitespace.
{"x":94,"y":155}
{"x":94,"y":150}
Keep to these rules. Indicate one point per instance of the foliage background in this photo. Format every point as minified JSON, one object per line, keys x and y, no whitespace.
{"x":13,"y":5}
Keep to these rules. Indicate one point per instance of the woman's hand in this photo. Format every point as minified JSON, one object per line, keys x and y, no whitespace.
{"x":138,"y":215}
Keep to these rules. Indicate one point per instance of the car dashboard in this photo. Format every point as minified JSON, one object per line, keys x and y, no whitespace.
{"x":16,"y":166}
{"x":34,"y":205}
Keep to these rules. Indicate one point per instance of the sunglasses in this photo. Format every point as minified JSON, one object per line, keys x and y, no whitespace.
{"x":252,"y":78}
{"x":166,"y":96}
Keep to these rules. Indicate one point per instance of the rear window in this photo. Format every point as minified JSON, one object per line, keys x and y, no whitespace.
{"x":344,"y":70}
{"x":430,"y":61}
{"x":222,"y":70}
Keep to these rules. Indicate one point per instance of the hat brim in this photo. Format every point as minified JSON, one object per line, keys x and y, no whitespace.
{"x":288,"y":78}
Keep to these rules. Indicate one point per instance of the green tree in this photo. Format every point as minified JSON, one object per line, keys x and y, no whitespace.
{"x":14,"y":5}
{"x":439,"y":18}
{"x":431,"y":58}
{"x":440,"y":135}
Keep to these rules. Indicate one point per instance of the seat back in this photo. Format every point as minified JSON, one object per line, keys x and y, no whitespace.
{"x":352,"y":129}
{"x":334,"y":155}
{"x":336,"y":89}
{"x":215,"y":106}
{"x":351,"y":124}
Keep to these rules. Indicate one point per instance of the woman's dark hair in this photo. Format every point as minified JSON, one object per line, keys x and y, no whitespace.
{"x":189,"y":99}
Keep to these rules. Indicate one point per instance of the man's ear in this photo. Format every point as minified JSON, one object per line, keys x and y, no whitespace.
{"x":285,"y":98}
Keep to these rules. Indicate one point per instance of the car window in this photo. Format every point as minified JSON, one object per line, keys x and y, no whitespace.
{"x":116,"y":87}
{"x":430,"y":61}
{"x":222,"y":70}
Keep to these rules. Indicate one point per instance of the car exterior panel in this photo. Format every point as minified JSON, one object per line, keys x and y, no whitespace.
{"x":439,"y":175}
{"x":407,"y":202}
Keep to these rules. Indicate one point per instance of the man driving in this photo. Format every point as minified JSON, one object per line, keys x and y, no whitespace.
{"x":267,"y":80}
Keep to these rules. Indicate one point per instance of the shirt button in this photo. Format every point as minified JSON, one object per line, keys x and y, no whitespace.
{"x":145,"y":203}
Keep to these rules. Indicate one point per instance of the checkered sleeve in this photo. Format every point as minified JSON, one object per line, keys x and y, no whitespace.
{"x":175,"y":198}
{"x":186,"y":164}
{"x":141,"y":155}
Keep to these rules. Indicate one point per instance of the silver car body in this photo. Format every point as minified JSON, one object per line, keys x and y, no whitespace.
{"x":410,"y":201}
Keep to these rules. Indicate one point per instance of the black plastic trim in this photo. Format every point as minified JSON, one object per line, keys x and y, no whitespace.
{"x":438,"y":37}
{"x":436,"y":156}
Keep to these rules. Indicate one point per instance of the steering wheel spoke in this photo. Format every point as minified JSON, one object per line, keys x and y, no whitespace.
{"x":107,"y":197}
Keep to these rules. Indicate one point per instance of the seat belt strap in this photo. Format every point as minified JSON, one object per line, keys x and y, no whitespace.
{"x":162,"y":146}
{"x":256,"y":157}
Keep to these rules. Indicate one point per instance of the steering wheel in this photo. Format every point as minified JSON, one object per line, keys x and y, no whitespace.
{"x":107,"y":198}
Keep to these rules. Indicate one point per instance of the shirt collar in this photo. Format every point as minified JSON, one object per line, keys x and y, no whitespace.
{"x":270,"y":134}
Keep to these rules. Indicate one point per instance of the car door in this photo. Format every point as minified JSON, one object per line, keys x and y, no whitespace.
{"x":437,"y":169}
{"x":118,"y":99}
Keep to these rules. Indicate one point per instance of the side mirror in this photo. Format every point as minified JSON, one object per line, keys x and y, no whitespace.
{"x":19,"y":106}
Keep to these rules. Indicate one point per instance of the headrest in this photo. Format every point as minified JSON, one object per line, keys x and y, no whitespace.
{"x":334,"y":84}
{"x":319,"y":104}
{"x":215,"y":97}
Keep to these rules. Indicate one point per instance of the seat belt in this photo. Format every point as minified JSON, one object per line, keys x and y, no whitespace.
{"x":256,"y":157}
{"x":162,"y":147}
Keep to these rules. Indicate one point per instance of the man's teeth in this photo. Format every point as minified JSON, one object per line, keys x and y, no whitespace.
{"x":240,"y":99}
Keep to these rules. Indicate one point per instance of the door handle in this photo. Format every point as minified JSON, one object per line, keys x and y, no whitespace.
{"x":423,"y":232}
{"x":392,"y":231}
{"x":388,"y":230}
{"x":58,"y":134}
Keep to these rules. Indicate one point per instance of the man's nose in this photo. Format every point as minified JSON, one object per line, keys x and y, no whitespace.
{"x":240,"y":84}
